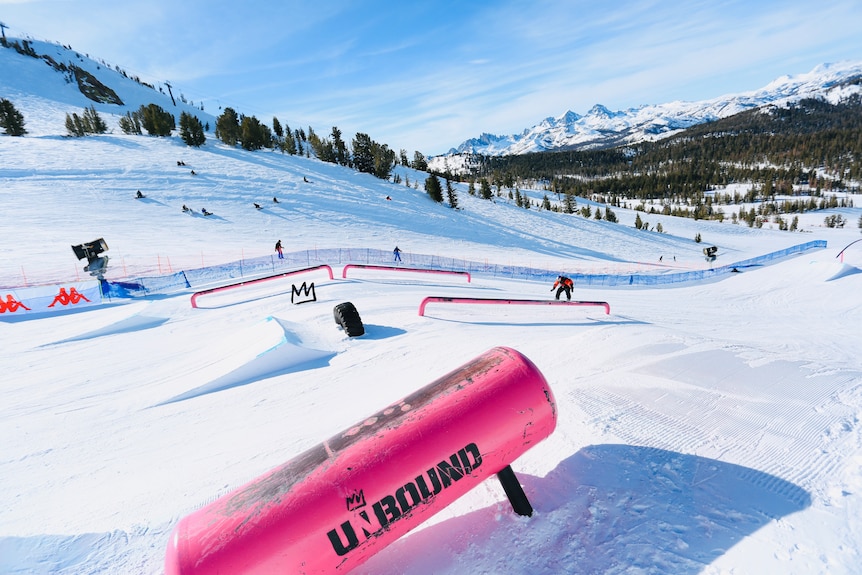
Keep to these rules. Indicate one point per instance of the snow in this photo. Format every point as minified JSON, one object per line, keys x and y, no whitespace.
{"x":603,"y":128}
{"x":705,"y":428}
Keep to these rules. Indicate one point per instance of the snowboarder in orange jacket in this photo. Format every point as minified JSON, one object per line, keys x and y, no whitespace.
{"x":565,"y":285}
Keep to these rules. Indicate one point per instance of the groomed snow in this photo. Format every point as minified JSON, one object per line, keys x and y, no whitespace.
{"x":708,"y":428}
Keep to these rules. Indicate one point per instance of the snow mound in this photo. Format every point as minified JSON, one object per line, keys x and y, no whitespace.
{"x":263,"y":351}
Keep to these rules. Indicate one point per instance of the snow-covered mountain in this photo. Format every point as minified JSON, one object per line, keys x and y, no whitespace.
{"x":46,"y":74}
{"x":602,"y":128}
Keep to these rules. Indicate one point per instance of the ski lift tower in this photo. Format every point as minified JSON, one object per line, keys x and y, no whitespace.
{"x":96,"y":264}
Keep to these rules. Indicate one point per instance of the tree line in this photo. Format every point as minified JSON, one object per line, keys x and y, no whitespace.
{"x":813,"y":142}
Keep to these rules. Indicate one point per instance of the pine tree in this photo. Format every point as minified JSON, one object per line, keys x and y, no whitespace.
{"x":371,"y":157}
{"x":339,"y":148}
{"x":472,"y":189}
{"x":546,"y":203}
{"x":419,"y":161}
{"x":363,"y":154}
{"x":450,"y":192}
{"x":11,"y":120}
{"x":156,"y":121}
{"x":75,"y":126}
{"x":276,"y":127}
{"x":254,"y":135}
{"x":94,"y":121}
{"x":485,"y":189}
{"x":384,"y":160}
{"x":638,"y":222}
{"x":191,"y":130}
{"x":227,"y":127}
{"x":432,"y":187}
{"x":131,"y":123}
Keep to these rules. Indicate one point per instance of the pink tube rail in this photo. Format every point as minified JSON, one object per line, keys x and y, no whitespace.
{"x":258,"y":280}
{"x":334,"y":506}
{"x":479,"y":300}
{"x":401,"y":269}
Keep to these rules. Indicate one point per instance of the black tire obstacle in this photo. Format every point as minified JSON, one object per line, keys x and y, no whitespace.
{"x":348,"y":318}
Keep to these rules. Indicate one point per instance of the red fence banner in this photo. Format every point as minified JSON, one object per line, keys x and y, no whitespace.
{"x":48,"y":299}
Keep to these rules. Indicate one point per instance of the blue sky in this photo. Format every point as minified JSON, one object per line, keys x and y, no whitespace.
{"x":428,"y":75}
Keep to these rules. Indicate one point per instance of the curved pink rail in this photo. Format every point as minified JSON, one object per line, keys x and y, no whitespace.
{"x":331,"y":508}
{"x":479,"y":300}
{"x":258,"y":280}
{"x":401,"y":269}
{"x":841,"y":253}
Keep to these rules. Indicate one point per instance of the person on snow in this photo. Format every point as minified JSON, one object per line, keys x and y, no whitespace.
{"x":565,"y":285}
{"x":397,"y":253}
{"x":279,"y":249}
{"x":139,"y":195}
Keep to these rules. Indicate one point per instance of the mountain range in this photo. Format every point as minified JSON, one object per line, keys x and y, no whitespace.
{"x":604,"y":128}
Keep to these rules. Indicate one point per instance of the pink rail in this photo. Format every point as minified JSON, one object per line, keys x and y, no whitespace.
{"x":401,"y":269}
{"x":333,"y":507}
{"x":478,"y":300}
{"x":258,"y":280}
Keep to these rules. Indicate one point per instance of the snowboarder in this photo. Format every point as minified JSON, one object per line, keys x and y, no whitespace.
{"x":274,"y":200}
{"x":205,"y":212}
{"x":279,"y":249}
{"x":397,"y":253}
{"x":258,"y":206}
{"x":139,"y":195}
{"x":565,"y":285}
{"x":186,"y":208}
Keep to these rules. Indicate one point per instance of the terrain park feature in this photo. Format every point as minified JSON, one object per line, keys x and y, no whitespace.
{"x":498,"y":301}
{"x":348,"y":318}
{"x":236,"y":285}
{"x":402,"y":269}
{"x":332,"y":507}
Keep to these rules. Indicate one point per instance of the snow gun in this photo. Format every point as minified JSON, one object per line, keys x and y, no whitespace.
{"x":334,"y":506}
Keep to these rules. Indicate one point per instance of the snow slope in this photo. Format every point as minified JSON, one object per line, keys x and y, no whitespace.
{"x":707,"y":428}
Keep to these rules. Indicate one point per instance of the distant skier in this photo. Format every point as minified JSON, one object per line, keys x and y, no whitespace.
{"x":274,"y":200}
{"x":397,"y":253}
{"x":279,"y":249}
{"x":565,"y":285}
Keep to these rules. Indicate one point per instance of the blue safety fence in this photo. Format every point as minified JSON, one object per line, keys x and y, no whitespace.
{"x":271,"y":265}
